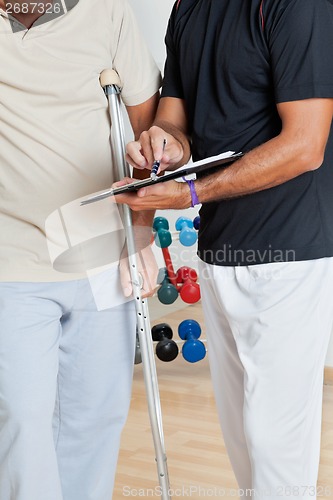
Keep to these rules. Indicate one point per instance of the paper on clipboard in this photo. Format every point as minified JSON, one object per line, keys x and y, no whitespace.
{"x":205,"y":161}
{"x":188,"y":169}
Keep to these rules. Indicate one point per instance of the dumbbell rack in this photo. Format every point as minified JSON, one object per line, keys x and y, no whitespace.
{"x":182,"y":282}
{"x":189,"y":331}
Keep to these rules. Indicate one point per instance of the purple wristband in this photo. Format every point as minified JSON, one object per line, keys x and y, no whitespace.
{"x":194,"y":196}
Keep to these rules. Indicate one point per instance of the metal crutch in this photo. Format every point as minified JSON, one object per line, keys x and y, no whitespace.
{"x":111,"y":85}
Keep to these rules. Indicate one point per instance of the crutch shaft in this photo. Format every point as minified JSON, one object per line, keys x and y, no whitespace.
{"x":147,"y":350}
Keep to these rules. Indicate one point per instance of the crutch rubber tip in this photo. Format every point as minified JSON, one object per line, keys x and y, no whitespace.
{"x":109,"y":77}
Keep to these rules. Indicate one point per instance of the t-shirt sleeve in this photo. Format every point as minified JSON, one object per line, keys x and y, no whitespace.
{"x":138,"y":72}
{"x":299,"y":34}
{"x":172,"y":85}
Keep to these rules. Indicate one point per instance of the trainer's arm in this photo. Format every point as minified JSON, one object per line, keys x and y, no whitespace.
{"x":299,"y":148}
{"x":141,"y":118}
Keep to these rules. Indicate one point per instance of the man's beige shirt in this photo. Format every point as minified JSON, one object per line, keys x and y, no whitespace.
{"x":54,"y":137}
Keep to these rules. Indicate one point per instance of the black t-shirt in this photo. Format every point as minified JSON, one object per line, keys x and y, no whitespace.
{"x":232,"y":61}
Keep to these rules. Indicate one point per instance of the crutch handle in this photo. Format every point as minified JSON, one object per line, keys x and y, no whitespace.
{"x":109,"y":77}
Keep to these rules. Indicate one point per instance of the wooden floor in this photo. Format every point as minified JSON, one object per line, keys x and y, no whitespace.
{"x":197,"y":461}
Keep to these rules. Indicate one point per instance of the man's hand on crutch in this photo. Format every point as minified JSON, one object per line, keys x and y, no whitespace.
{"x":147,"y":265}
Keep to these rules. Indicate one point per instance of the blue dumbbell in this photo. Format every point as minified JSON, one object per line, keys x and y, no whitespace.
{"x":193,"y":349}
{"x":187,"y":236}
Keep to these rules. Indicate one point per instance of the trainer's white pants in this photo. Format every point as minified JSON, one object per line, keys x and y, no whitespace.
{"x":62,"y":362}
{"x":268,"y":328}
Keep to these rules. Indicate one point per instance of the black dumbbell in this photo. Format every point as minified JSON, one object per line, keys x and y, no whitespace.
{"x":166,"y":349}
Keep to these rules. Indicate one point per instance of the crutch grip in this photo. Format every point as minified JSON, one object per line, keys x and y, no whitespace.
{"x":109,"y":77}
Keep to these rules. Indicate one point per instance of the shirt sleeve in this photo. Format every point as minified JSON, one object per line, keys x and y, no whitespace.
{"x":299,"y":34}
{"x":138,"y":72}
{"x":172,"y":85}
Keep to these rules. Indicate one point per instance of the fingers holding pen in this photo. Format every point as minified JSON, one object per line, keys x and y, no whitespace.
{"x":134,"y":155}
{"x":154,"y":145}
{"x":147,"y":149}
{"x":139,"y":153}
{"x":167,"y":150}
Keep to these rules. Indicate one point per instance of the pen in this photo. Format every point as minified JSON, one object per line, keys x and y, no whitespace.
{"x":156,"y":165}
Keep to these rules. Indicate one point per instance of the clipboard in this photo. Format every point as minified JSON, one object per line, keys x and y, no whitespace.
{"x":189,"y":169}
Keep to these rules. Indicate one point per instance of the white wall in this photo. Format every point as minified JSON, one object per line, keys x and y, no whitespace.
{"x":329,"y":359}
{"x":153,"y":16}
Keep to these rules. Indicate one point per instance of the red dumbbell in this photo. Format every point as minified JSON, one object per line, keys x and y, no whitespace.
{"x":190,"y":289}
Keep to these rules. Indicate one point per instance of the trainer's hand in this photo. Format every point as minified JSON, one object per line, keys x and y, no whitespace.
{"x":166,"y":195}
{"x":149,"y":147}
